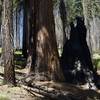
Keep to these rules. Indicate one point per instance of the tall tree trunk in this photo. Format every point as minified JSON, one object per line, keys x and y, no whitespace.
{"x":47,"y":61}
{"x":26,"y":28}
{"x":92,"y":22}
{"x":18,"y":28}
{"x":31,"y":46}
{"x":63,"y":15}
{"x":87,"y":16}
{"x":0,"y":22}
{"x":17,"y":17}
{"x":60,"y":23}
{"x":7,"y":29}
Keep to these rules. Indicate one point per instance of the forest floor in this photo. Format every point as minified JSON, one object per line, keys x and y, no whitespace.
{"x":47,"y":90}
{"x":43,"y":90}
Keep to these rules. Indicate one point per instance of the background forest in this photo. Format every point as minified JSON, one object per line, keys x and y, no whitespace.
{"x":35,"y":49}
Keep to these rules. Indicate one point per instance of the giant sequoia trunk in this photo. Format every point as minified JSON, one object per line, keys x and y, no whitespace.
{"x":47,"y":61}
{"x":7,"y":29}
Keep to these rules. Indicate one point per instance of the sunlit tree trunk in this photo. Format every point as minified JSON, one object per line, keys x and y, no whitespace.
{"x":88,"y":12}
{"x":60,"y":16}
{"x":47,"y":61}
{"x":7,"y":31}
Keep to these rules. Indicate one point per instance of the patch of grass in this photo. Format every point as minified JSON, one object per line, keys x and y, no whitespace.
{"x":20,"y":63}
{"x":2,"y":97}
{"x":18,"y":52}
{"x":0,"y":50}
{"x":96,"y":60}
{"x":98,"y":64}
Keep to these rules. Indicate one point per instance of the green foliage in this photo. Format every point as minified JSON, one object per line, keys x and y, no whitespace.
{"x":74,"y":9}
{"x":54,"y":1}
{"x":96,"y":7}
{"x":15,"y":3}
{"x":93,"y":8}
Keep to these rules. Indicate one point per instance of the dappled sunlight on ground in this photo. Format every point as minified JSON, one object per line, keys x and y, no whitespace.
{"x":14,"y":93}
{"x":75,"y":92}
{"x":43,"y":90}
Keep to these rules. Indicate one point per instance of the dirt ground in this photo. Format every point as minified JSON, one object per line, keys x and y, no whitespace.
{"x":45,"y":90}
{"x":14,"y":93}
{"x":71,"y":92}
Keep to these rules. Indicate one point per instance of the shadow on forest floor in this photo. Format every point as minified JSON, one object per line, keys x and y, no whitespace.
{"x":64,"y":91}
{"x":44,"y":90}
{"x":52,"y":90}
{"x":47,"y":90}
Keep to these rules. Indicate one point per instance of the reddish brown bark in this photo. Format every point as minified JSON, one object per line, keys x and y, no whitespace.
{"x":47,"y":61}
